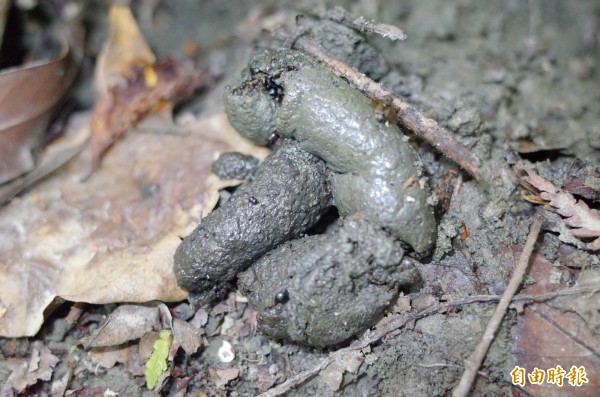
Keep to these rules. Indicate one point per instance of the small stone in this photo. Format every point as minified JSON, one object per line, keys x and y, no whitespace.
{"x":226,"y":352}
{"x":273,"y":369}
{"x":266,"y":349}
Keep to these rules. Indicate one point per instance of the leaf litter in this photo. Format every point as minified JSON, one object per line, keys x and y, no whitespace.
{"x":117,"y":244}
{"x":562,"y":331}
{"x":583,"y":221}
{"x":28,"y":371}
{"x":132,"y":85}
{"x":31,"y":92}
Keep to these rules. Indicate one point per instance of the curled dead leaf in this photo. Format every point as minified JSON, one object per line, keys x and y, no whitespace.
{"x":54,"y":155}
{"x":125,"y":105}
{"x":124,"y":48}
{"x":131,"y":84}
{"x":28,"y":98}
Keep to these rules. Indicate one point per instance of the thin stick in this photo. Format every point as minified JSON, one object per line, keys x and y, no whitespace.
{"x":340,"y":15}
{"x":473,"y":363}
{"x":408,"y":115}
{"x":394,"y":327}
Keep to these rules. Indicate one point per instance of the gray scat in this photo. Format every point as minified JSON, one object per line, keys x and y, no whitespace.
{"x":261,"y":214}
{"x":338,"y":284}
{"x":371,"y":163}
{"x":234,"y":165}
{"x":351,"y":47}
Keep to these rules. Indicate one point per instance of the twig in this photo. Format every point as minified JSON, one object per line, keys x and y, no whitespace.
{"x":408,"y":115}
{"x":299,"y":30}
{"x":340,"y":15}
{"x":394,"y":327}
{"x":75,"y":312}
{"x":473,"y":363}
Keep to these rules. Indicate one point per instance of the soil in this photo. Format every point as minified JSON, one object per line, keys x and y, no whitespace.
{"x":514,"y":80}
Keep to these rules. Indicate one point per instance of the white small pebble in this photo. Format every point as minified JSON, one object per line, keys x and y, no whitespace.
{"x":226,"y":352}
{"x":273,"y":369}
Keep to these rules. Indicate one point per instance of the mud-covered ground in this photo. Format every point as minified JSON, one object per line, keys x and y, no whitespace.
{"x":514,"y":80}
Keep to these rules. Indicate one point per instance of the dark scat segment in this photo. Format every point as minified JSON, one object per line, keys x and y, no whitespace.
{"x":285,"y":197}
{"x":234,"y":165}
{"x":321,"y":290}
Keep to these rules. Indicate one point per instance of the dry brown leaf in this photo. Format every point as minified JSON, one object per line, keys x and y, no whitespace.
{"x":126,"y":323}
{"x":584,"y":222}
{"x":125,"y":105}
{"x":220,"y":377}
{"x":200,"y":318}
{"x":545,"y":337}
{"x":4,"y":7}
{"x":108,"y":357}
{"x":27,"y":371}
{"x":112,"y":238}
{"x":146,"y":345}
{"x":179,"y":387}
{"x":28,"y":97}
{"x":189,"y":337}
{"x":131,"y":85}
{"x":132,"y":322}
{"x":54,"y":155}
{"x":124,"y":48}
{"x":587,"y":306}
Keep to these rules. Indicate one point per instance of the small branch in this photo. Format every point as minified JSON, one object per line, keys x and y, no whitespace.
{"x":408,"y":115}
{"x":473,"y":363}
{"x":340,"y":15}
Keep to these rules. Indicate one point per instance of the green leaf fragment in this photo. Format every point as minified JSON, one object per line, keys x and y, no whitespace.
{"x":157,"y":363}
